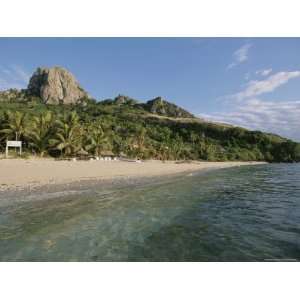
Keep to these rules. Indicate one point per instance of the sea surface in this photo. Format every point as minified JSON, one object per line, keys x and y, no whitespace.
{"x":248,"y":213}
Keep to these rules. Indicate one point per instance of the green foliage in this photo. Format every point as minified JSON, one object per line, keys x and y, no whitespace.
{"x":124,"y":127}
{"x":95,"y":139}
{"x":68,"y":134}
{"x":13,"y":125}
{"x":40,"y":131}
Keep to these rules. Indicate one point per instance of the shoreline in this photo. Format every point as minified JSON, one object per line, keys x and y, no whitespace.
{"x":30,"y":174}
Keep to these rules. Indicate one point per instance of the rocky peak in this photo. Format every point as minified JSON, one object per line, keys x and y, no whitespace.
{"x":55,"y":85}
{"x":165,"y":108}
{"x":121,"y":99}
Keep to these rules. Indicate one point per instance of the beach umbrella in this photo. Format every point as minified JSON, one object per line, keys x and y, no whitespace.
{"x":82,"y":152}
{"x":107,"y":153}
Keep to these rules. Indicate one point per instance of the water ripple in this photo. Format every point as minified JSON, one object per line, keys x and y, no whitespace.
{"x":239,"y":214}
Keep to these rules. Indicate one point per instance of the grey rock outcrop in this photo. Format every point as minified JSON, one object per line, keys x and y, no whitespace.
{"x":55,"y":85}
{"x":121,"y":99}
{"x":165,"y":108}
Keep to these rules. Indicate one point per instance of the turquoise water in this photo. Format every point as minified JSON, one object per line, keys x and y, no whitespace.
{"x":249,"y":213}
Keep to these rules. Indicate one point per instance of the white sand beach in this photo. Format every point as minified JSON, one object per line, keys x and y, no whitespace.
{"x":21,"y":173}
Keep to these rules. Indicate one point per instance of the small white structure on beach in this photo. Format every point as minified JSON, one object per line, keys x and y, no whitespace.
{"x":13,"y":144}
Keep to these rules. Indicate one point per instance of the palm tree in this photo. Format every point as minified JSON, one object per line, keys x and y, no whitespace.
{"x":14,"y":125}
{"x":96,"y":139}
{"x":194,"y":138}
{"x":140,"y":141}
{"x":119,"y":144}
{"x":163,"y":151}
{"x":40,"y":132}
{"x":69,"y":134}
{"x":177,"y":147}
{"x":141,"y":138}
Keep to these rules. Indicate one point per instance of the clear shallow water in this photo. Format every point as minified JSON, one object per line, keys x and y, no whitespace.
{"x":238,"y":214}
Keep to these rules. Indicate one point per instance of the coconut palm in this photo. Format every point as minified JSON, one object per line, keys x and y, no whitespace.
{"x":14,"y":125}
{"x":96,"y":139}
{"x":141,"y":138}
{"x":119,"y":144}
{"x":68,"y":136}
{"x":163,"y":151}
{"x":194,"y":137}
{"x":40,"y":132}
{"x":177,"y":147}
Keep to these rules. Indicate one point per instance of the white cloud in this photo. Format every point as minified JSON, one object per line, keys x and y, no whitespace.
{"x":13,"y":77}
{"x":240,"y":55}
{"x":247,"y":76}
{"x":246,"y":110}
{"x":280,"y":117}
{"x":257,"y":87}
{"x":264,"y":72}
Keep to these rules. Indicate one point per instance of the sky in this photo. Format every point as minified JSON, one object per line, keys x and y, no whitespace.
{"x":249,"y":82}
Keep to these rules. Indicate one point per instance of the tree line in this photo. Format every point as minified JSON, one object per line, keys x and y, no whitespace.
{"x":65,"y":131}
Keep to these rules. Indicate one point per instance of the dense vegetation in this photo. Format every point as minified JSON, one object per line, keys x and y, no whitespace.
{"x":127,"y":128}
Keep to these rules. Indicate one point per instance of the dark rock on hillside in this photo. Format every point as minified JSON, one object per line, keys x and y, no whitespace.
{"x":55,"y":85}
{"x":165,"y":108}
{"x":121,"y":99}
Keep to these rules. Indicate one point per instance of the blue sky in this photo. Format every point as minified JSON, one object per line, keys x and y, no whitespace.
{"x":243,"y":81}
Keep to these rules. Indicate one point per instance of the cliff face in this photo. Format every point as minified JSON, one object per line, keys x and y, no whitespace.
{"x":55,"y":85}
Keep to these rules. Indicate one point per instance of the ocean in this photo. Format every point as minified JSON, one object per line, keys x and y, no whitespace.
{"x":247,"y":213}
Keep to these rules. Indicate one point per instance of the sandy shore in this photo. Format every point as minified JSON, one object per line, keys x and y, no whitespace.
{"x":19,"y":173}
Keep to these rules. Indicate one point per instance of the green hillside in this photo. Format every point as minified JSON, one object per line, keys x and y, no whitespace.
{"x":157,"y":129}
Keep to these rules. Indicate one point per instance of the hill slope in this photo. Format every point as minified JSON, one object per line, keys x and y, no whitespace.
{"x":156,"y":129}
{"x":131,"y":130}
